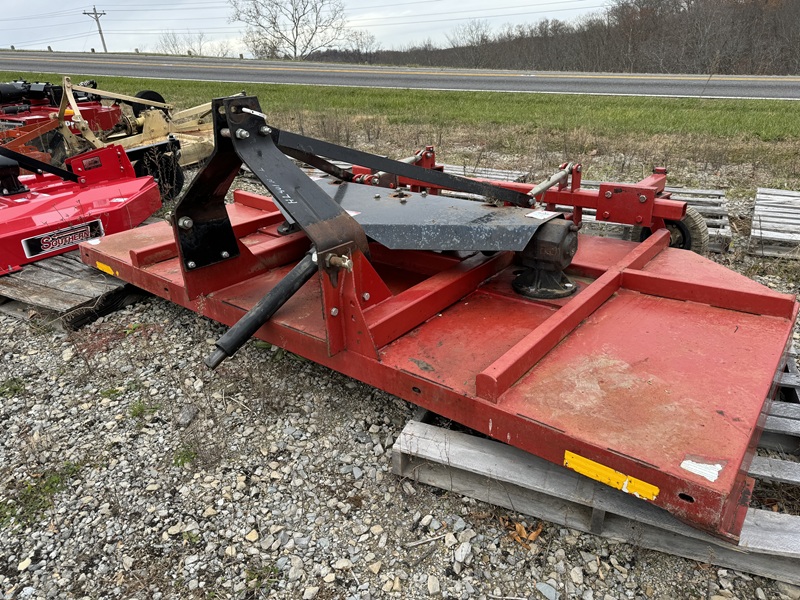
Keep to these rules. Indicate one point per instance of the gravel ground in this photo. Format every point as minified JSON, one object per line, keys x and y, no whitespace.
{"x":129,"y":470}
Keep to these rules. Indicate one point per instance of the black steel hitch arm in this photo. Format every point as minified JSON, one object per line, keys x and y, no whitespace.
{"x":292,"y":142}
{"x":37,"y":166}
{"x":243,"y":330}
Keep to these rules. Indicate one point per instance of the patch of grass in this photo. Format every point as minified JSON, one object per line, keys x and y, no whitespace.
{"x":35,"y":496}
{"x":261,"y":578}
{"x":11,"y":387}
{"x":110,"y":393}
{"x":7,"y":512}
{"x":184,"y":456}
{"x":191,"y":537}
{"x":141,"y":409}
{"x":132,"y":328}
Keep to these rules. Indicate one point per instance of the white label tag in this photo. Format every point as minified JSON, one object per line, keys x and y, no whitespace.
{"x":542,"y":214}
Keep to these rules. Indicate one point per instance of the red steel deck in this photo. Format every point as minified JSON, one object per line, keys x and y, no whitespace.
{"x":652,"y":378}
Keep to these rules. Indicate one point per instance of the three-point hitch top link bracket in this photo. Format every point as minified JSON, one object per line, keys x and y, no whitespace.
{"x":242,"y":135}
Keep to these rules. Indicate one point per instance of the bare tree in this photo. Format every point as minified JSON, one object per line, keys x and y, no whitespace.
{"x":170,"y":42}
{"x":471,"y":39}
{"x":196,"y":44}
{"x":363,"y":44}
{"x":291,"y":28}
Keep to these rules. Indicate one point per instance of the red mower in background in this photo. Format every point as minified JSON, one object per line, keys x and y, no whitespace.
{"x":53,"y":210}
{"x":51,"y":122}
{"x":23,"y":103}
{"x":33,"y":108}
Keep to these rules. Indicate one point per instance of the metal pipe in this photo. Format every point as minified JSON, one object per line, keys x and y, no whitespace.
{"x":555,"y":179}
{"x":409,"y":160}
{"x":243,"y":330}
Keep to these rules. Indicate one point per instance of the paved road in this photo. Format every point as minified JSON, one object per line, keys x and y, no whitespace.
{"x":251,"y":71}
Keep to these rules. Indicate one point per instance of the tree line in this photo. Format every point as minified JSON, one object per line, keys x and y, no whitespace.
{"x":759,"y":37}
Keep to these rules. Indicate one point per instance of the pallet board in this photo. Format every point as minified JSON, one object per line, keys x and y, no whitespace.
{"x":62,"y":285}
{"x":493,"y":472}
{"x":775,"y":230}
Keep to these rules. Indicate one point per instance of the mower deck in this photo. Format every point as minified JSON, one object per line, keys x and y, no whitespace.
{"x":652,"y":378}
{"x":50,"y":214}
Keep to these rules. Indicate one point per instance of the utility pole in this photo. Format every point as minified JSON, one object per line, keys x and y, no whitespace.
{"x":96,"y":16}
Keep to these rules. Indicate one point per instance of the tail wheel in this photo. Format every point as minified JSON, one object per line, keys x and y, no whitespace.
{"x":137,"y":108}
{"x":164,"y":168}
{"x":690,"y":233}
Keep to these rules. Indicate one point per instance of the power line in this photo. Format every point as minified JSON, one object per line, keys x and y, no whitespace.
{"x":391,"y":23}
{"x":30,"y":43}
{"x":51,"y":15}
{"x":494,"y":8}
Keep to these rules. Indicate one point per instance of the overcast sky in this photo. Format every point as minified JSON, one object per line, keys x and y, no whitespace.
{"x":35,"y":24}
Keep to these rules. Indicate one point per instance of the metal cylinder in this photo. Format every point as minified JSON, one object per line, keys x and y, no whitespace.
{"x":555,"y":179}
{"x":253,"y":319}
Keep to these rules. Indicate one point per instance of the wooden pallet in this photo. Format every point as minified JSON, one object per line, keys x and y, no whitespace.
{"x":775,"y":230}
{"x":493,"y":472}
{"x":711,"y":204}
{"x":64,"y":287}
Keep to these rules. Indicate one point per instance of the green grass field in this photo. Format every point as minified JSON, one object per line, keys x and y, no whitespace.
{"x":731,"y":143}
{"x":604,"y":115}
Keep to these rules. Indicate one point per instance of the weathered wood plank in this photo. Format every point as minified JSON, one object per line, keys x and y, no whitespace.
{"x":780,"y":214}
{"x":774,"y":200}
{"x":771,"y":229}
{"x":768,"y":200}
{"x":775,"y":469}
{"x":787,"y":426}
{"x":777,"y":192}
{"x":506,"y":476}
{"x":701,"y":203}
{"x":785,"y":410}
{"x":64,"y":268}
{"x":778,"y":219}
{"x":34,"y":294}
{"x":774,"y":251}
{"x":87,"y":284}
{"x":775,"y":229}
{"x":773,"y":236}
{"x":791,"y":379}
{"x":711,"y":211}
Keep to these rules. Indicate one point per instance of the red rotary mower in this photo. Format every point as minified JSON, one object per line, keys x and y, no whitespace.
{"x":32,"y":108}
{"x":643,"y":366}
{"x":24,"y":103}
{"x":50,"y":212}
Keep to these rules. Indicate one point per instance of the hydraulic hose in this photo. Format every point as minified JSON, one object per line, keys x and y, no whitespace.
{"x":236,"y":336}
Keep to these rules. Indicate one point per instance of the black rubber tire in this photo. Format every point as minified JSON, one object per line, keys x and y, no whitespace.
{"x":698,"y":229}
{"x":690,"y":233}
{"x":145,"y":95}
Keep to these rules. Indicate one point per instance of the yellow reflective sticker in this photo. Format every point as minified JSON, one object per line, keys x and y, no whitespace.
{"x":607,"y":475}
{"x":104,"y":268}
